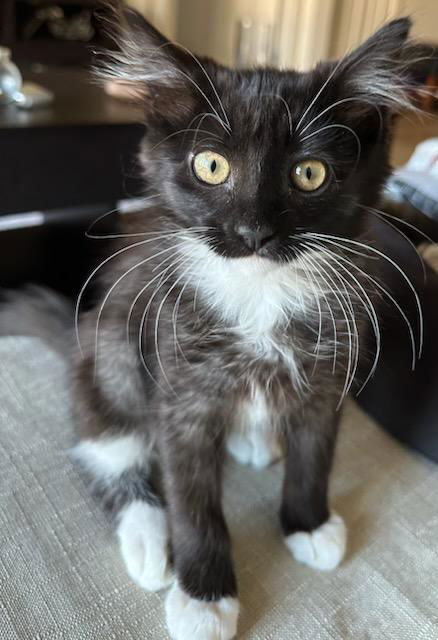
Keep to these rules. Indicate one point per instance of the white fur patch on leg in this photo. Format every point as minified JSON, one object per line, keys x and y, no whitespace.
{"x":258,"y":449}
{"x":254,"y":440}
{"x":192,"y":619}
{"x":322,"y":548}
{"x":109,"y":456}
{"x":143,"y":537}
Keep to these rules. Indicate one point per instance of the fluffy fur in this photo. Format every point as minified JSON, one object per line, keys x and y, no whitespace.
{"x":323,"y":548}
{"x":144,"y":539}
{"x":199,"y":338}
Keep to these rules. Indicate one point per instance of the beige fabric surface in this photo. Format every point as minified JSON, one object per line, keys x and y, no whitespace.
{"x":61,"y":575}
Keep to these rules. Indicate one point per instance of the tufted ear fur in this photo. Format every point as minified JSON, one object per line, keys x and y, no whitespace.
{"x":153,"y":69}
{"x":378,"y":72}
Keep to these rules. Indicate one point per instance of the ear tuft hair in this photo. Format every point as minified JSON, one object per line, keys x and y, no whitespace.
{"x":380,"y":70}
{"x":144,"y":60}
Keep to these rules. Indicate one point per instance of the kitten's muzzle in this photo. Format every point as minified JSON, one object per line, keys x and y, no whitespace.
{"x":255,"y":238}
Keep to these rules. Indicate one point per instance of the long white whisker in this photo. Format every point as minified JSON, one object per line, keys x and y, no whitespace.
{"x":111,"y":289}
{"x":162,"y":277}
{"x":315,"y":98}
{"x":355,"y":344}
{"x":385,"y":292}
{"x":143,"y":289}
{"x":198,"y":62}
{"x":330,"y":310}
{"x":348,"y":325}
{"x":225,"y":126}
{"x":286,"y":106}
{"x":146,"y":313}
{"x":400,"y":232}
{"x":289,"y":114}
{"x":331,"y":239}
{"x":301,"y":260}
{"x":368,"y":305}
{"x":157,"y":322}
{"x":405,"y":222}
{"x":339,"y":126}
{"x":175,"y":321}
{"x":336,"y":104}
{"x":95,"y":271}
{"x":175,"y":133}
{"x":198,"y":128}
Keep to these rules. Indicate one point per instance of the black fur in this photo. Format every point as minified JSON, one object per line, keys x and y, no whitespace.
{"x":186,"y":400}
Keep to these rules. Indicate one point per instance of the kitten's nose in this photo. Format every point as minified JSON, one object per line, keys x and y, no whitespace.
{"x":254,"y":238}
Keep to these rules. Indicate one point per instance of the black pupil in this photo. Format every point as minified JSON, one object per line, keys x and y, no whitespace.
{"x":213,"y":166}
{"x":308,"y":173}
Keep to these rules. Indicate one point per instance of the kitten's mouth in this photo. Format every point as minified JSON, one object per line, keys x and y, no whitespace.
{"x":272,"y":251}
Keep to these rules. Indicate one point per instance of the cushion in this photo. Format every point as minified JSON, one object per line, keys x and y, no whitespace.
{"x":417,"y":182}
{"x":61,"y":575}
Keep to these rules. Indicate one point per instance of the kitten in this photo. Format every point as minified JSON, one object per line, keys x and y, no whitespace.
{"x":234,"y":312}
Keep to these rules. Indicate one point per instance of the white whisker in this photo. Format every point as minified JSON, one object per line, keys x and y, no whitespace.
{"x":368,"y":306}
{"x":157,"y":322}
{"x":400,"y":232}
{"x":340,"y":126}
{"x":336,"y":104}
{"x":145,"y":316}
{"x":335,"y":290}
{"x":315,"y":98}
{"x":324,"y":295}
{"x":176,"y":133}
{"x":331,"y":240}
{"x":111,"y":289}
{"x":95,"y":271}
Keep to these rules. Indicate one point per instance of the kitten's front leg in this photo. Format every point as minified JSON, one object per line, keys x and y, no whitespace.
{"x":202,"y":604}
{"x":315,"y":536}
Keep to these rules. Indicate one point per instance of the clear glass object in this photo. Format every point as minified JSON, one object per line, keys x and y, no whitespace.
{"x":10,"y":77}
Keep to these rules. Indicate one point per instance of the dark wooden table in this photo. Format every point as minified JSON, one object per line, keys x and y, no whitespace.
{"x":71,"y":161}
{"x":78,"y":151}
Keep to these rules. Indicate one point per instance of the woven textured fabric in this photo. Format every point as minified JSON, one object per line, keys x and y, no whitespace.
{"x":60,"y":571}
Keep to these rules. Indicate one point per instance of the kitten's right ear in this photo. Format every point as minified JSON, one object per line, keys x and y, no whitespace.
{"x":154,"y":70}
{"x":380,"y":70}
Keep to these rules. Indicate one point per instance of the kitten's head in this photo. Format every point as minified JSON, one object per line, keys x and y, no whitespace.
{"x":261,"y":157}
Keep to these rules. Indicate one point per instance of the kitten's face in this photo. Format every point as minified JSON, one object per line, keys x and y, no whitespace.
{"x":259,"y":158}
{"x":267,"y":178}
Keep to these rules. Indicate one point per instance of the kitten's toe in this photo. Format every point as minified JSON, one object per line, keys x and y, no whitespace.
{"x":192,"y":619}
{"x":322,"y":548}
{"x":143,"y":537}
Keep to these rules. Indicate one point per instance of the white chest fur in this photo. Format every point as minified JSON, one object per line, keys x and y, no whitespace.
{"x":254,"y":297}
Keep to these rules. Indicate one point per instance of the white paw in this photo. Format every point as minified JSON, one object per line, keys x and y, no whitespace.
{"x":256,"y":448}
{"x":143,"y":537}
{"x":192,"y":619}
{"x":322,"y":548}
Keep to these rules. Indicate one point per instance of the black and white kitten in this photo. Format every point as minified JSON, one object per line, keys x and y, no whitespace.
{"x":234,"y":310}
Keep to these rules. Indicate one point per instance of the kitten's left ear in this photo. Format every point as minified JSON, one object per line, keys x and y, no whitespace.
{"x":379,"y":71}
{"x":155,"y":71}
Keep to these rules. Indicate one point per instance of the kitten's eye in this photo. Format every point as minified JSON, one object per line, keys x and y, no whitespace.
{"x":309,"y":175}
{"x":211,"y":167}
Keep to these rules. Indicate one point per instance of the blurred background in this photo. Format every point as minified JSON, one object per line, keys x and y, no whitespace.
{"x":68,"y":150}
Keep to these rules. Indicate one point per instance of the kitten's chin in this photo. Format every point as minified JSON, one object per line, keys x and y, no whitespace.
{"x":256,"y":264}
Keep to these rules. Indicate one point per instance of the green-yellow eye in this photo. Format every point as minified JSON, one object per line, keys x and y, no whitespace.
{"x":211,"y":167}
{"x":309,"y":175}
